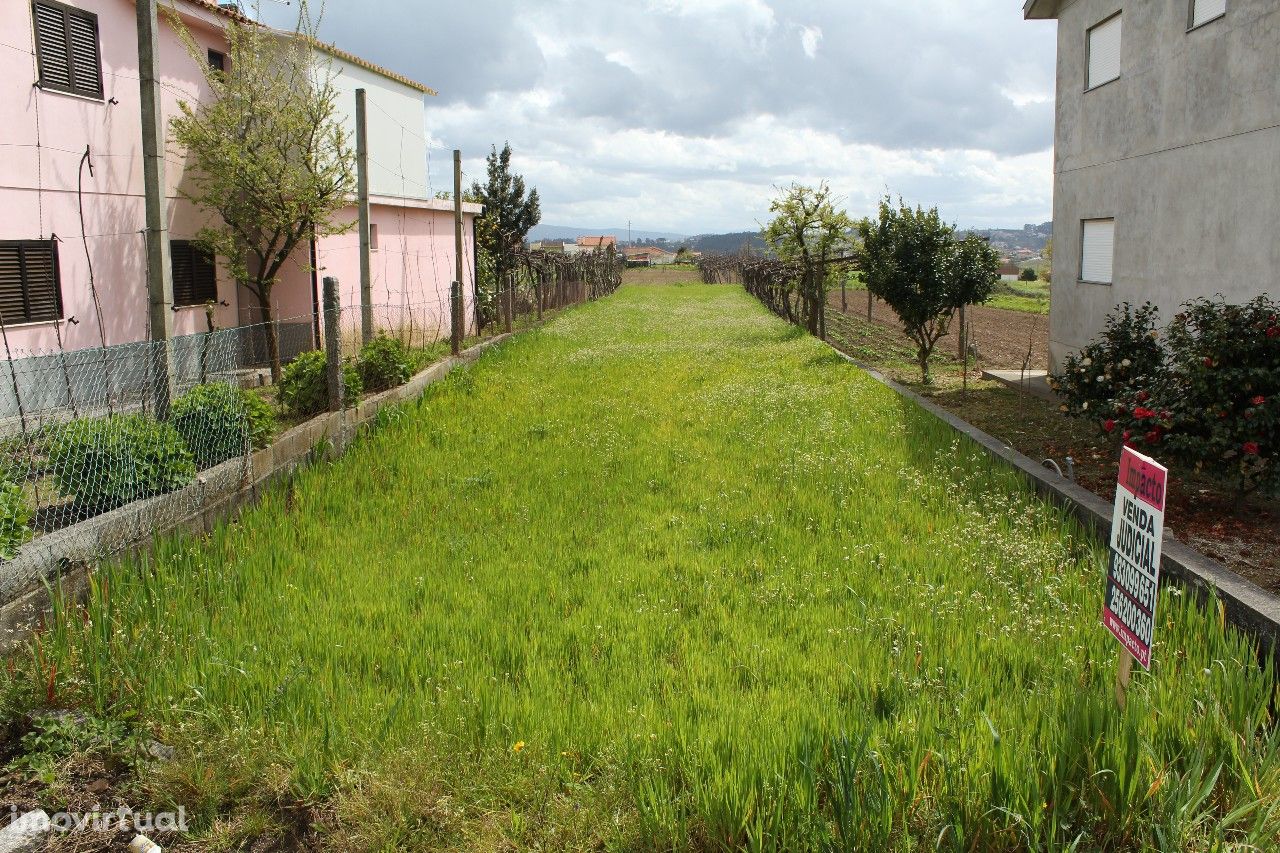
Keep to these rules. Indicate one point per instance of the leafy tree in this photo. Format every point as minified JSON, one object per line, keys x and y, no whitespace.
{"x":808,"y":229}
{"x":268,"y":152}
{"x":1027,"y":274}
{"x":509,"y":213}
{"x":911,"y":260}
{"x":1047,"y":272}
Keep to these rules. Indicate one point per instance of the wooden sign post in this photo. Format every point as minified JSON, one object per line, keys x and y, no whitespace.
{"x":1133,"y":574}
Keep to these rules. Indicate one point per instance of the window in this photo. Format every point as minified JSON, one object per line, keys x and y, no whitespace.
{"x":195,"y":279}
{"x":1204,"y":11}
{"x":217,"y":60}
{"x":29,"y":291}
{"x":67,"y":49}
{"x":1097,"y":250}
{"x":1104,"y":52}
{"x":373,"y":236}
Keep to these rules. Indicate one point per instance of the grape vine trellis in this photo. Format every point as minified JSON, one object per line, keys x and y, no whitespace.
{"x":780,"y":285}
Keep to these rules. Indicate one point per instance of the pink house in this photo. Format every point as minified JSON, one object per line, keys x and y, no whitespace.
{"x":71,"y":189}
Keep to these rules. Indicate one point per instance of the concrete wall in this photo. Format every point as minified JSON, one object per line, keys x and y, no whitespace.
{"x":1183,"y":151}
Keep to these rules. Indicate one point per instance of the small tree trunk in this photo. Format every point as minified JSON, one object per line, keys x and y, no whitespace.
{"x":844,"y":297}
{"x":273,"y":333}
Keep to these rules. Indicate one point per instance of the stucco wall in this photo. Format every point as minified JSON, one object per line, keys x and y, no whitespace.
{"x":396,"y":121}
{"x":1183,"y":150}
{"x":413,"y":266}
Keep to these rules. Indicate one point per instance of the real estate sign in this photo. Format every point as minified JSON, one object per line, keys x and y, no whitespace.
{"x":1137,"y":530}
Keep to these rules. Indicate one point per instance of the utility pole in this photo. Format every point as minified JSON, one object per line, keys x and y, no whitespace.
{"x":159,"y":270}
{"x":457,"y":318}
{"x":362,"y":205}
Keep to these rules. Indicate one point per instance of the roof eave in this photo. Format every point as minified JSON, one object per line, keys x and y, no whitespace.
{"x":1040,"y":9}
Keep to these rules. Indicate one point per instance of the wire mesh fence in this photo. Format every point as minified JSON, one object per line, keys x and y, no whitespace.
{"x":86,"y":432}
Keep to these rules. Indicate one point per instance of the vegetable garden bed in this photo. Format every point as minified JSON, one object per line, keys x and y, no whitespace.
{"x":664,"y":573}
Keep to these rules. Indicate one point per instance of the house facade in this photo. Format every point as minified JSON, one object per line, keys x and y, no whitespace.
{"x":1166,"y":156}
{"x":72,"y":215}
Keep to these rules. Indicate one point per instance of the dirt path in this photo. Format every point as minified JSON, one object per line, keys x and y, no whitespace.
{"x":1003,"y":338}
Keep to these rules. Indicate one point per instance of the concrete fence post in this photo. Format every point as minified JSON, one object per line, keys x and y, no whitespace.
{"x":332,"y":344}
{"x":455,"y":314}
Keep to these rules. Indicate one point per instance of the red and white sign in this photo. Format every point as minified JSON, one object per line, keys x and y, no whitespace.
{"x":1133,"y":574}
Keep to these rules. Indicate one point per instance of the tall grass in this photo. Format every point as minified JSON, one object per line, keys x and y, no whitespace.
{"x":699,"y":583}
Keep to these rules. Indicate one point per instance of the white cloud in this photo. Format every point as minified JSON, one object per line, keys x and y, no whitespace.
{"x":810,"y":38}
{"x":683,"y":114}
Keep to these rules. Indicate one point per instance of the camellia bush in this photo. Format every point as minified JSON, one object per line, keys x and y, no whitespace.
{"x":1211,"y":401}
{"x":1126,"y":357}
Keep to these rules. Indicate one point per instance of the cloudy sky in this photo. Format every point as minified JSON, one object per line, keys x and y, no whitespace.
{"x":682,"y":115}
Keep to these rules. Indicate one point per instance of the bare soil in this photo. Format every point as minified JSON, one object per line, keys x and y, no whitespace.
{"x":1003,"y":339}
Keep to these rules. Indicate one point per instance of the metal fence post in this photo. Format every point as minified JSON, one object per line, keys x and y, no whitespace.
{"x":332,"y":344}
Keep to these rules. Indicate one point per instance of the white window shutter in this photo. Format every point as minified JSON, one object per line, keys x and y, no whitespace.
{"x":1203,"y":11}
{"x":1104,"y":52}
{"x":1098,"y":250}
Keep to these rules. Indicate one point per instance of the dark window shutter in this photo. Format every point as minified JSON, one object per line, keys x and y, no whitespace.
{"x":29,"y":291}
{"x":195,"y":278}
{"x":67,"y":48}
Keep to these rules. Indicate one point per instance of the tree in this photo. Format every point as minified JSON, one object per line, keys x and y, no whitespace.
{"x":911,"y":260}
{"x":1027,"y":274}
{"x":1047,"y":272}
{"x":508,"y":213}
{"x":807,"y":230}
{"x":268,"y":154}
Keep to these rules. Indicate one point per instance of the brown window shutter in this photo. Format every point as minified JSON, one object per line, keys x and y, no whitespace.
{"x":29,"y":289}
{"x":195,"y":278}
{"x":67,"y":48}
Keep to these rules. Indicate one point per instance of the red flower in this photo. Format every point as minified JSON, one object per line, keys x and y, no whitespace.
{"x":1273,"y":332}
{"x":1222,"y":415}
{"x":1141,"y":413}
{"x":1143,"y":396}
{"x":1125,"y":436}
{"x":1153,"y":437}
{"x":1250,"y":448}
{"x":1208,"y":362}
{"x":1258,"y":400}
{"x":1109,"y":425}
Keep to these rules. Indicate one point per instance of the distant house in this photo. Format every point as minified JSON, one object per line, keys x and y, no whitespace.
{"x":1010,"y":272}
{"x":594,"y":244}
{"x":547,"y":246}
{"x":1166,"y":185}
{"x":649,"y":256}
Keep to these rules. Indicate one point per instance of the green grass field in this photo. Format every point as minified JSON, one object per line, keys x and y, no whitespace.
{"x":665,"y":574}
{"x":1029,"y":296}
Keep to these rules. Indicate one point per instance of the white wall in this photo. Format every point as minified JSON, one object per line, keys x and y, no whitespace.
{"x":396,"y":119}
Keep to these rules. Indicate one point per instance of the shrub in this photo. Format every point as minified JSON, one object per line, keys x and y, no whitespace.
{"x":1211,"y":402}
{"x":1126,"y":356}
{"x":303,"y":389}
{"x":384,"y":363}
{"x":108,"y":462}
{"x":1028,"y":274}
{"x":15,"y":519}
{"x":219,"y":422}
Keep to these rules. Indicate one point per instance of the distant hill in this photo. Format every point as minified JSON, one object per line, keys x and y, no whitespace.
{"x":725,"y":244}
{"x":1029,"y":236}
{"x":572,"y":232}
